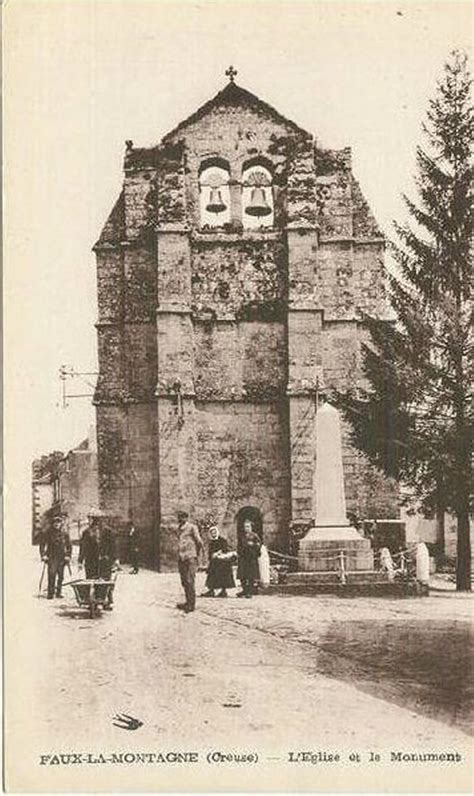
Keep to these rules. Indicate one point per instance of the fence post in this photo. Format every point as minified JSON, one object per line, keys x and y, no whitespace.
{"x":403,"y":563}
{"x":422,"y":563}
{"x":343,"y":567}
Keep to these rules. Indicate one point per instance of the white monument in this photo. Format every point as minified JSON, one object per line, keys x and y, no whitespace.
{"x":321,"y":547}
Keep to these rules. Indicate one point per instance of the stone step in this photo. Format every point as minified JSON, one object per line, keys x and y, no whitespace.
{"x":363,"y":589}
{"x":320,"y":578}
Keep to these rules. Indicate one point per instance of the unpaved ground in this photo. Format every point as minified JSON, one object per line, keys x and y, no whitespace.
{"x":417,"y":653}
{"x":275,"y":673}
{"x":265,"y":655}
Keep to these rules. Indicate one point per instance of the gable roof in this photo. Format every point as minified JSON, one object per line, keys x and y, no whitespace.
{"x":83,"y":446}
{"x":233,"y":94}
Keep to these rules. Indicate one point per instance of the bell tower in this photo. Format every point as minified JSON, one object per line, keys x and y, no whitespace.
{"x":232,"y":272}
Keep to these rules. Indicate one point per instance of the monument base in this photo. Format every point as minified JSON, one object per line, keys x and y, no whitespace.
{"x":319,"y":551}
{"x":356,"y":584}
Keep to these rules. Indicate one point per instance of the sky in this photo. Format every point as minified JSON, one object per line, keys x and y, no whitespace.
{"x":81,"y":77}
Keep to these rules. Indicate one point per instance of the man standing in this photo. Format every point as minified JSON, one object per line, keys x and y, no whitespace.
{"x":97,"y":554}
{"x":189,"y":547}
{"x":97,"y":551}
{"x":55,"y":550}
{"x":89,"y":549}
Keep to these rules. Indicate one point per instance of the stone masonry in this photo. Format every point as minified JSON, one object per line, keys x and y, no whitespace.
{"x":213,"y":340}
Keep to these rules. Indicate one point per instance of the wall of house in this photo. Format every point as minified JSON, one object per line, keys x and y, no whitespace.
{"x":421,"y":529}
{"x":43,"y":498}
{"x":78,"y":489}
{"x":225,"y":456}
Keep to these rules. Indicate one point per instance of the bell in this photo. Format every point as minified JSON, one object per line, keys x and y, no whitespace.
{"x":215,"y":205}
{"x":258,"y":203}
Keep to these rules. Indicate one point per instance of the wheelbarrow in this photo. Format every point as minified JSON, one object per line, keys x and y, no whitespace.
{"x":92,"y":594}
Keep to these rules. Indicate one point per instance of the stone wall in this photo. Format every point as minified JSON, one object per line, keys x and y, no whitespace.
{"x":128,"y":364}
{"x":113,"y":460}
{"x":245,"y":360}
{"x":143,"y":482}
{"x":239,"y":277}
{"x":128,"y":473}
{"x":224,"y":457}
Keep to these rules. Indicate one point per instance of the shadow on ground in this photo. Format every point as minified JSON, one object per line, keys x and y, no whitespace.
{"x":426,"y":667}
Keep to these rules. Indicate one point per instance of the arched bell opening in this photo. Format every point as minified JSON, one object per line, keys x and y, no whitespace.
{"x":257,"y":196}
{"x":214,"y":194}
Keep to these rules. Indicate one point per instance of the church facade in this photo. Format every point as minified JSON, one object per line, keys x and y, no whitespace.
{"x":232,"y":274}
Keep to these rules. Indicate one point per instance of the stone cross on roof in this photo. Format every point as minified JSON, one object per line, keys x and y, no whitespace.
{"x":231,"y":73}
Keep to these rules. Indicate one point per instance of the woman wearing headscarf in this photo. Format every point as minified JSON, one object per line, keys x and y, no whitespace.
{"x":248,"y":553}
{"x":219,"y":572}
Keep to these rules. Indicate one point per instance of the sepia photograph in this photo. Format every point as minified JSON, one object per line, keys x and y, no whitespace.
{"x":238,"y":371}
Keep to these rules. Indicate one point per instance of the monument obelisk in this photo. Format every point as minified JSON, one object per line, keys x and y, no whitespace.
{"x":319,"y":550}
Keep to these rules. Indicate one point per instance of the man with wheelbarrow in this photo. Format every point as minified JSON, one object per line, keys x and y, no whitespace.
{"x":97,"y":554}
{"x":55,"y":551}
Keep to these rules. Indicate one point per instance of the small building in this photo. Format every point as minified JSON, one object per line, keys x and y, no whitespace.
{"x":76,"y":485}
{"x":66,"y":484}
{"x":44,"y":490}
{"x":439,"y":534}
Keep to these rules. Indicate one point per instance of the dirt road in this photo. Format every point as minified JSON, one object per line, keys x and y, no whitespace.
{"x":272,"y":676}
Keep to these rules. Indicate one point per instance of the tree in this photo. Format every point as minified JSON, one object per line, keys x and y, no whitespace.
{"x":413,"y":416}
{"x":47,"y":465}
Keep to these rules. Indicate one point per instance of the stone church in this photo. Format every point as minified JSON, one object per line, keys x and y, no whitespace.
{"x":232,"y":273}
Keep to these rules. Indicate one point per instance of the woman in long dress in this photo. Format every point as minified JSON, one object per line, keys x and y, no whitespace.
{"x":219,"y":572}
{"x":248,"y":552}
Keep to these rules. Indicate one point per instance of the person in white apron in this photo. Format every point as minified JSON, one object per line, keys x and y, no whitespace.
{"x":219,"y":572}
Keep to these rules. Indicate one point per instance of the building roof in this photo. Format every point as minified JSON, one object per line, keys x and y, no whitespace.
{"x":44,"y":479}
{"x":83,"y":447}
{"x":233,"y":94}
